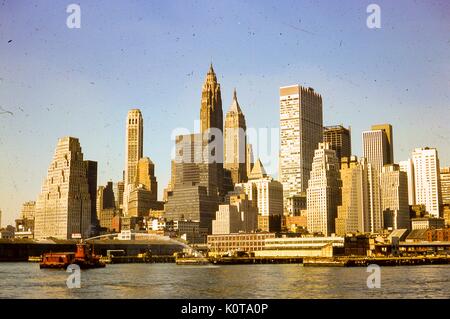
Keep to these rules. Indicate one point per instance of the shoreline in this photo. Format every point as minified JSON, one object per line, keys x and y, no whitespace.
{"x":350,"y":261}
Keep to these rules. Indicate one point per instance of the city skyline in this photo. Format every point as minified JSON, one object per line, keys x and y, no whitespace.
{"x":39,"y":128}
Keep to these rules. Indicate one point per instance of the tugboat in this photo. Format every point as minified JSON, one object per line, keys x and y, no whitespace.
{"x":83,"y":257}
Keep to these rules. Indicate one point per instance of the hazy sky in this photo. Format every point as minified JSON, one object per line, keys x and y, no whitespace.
{"x":154,"y":55}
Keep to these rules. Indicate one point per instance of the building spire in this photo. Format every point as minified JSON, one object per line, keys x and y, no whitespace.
{"x":258,"y":171}
{"x":211,"y":78}
{"x":211,"y":114}
{"x":235,"y":104}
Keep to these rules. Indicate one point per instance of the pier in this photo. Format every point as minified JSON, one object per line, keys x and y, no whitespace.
{"x":255,"y":260}
{"x":138,"y":259}
{"x":380,"y":261}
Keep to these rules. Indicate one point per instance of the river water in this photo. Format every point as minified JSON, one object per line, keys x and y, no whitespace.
{"x":26,"y":280}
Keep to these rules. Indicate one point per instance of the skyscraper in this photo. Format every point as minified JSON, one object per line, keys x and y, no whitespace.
{"x":427,"y":179}
{"x":394,"y":195}
{"x":247,"y":209}
{"x":25,"y":222}
{"x":134,"y":146}
{"x":27,"y":214}
{"x":145,"y":175}
{"x":107,"y":205}
{"x":192,"y":163}
{"x":301,"y":130}
{"x":235,"y":143}
{"x":211,"y":122}
{"x":227,"y":221}
{"x":118,"y":189}
{"x":339,"y":139}
{"x":141,"y":201}
{"x":374,"y":222}
{"x":105,"y":197}
{"x":445,"y":185}
{"x":63,"y":208}
{"x":408,"y":167}
{"x":266,"y":194}
{"x":250,"y":161}
{"x":376,"y":148}
{"x":171,"y":184}
{"x":194,"y":195}
{"x":211,"y":114}
{"x":144,"y":195}
{"x":323,"y":193}
{"x":269,"y":191}
{"x":91,"y":171}
{"x":387,"y":129}
{"x":239,"y":215}
{"x":354,"y":208}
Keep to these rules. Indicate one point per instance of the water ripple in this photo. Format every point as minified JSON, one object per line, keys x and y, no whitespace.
{"x":166,"y":281}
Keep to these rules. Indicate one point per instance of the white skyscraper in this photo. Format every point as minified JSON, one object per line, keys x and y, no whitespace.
{"x":394,"y":195}
{"x":375,"y":147}
{"x":266,"y":195}
{"x":269,"y":192}
{"x":427,"y":179}
{"x":408,"y":167}
{"x":301,"y":130}
{"x":378,"y":150}
{"x":323,"y":193}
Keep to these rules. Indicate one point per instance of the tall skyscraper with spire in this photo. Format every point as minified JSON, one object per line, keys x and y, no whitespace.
{"x":134,"y":149}
{"x":235,"y":145}
{"x":211,"y":114}
{"x":211,"y":121}
{"x":198,"y":185}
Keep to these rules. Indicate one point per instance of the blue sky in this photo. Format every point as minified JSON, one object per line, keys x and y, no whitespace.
{"x":154,"y":55}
